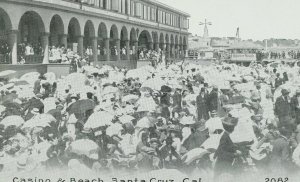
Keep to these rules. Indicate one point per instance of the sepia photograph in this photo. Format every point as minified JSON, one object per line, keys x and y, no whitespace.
{"x":149,"y":91}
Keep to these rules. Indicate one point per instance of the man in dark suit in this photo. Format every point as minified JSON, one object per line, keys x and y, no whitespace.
{"x":295,"y":105}
{"x":283,"y":108}
{"x":278,"y":81}
{"x":213,"y":99}
{"x":226,"y":151}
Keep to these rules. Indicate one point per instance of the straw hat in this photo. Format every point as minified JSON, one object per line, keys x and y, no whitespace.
{"x":35,"y":111}
{"x":154,"y":140}
{"x":231,"y":121}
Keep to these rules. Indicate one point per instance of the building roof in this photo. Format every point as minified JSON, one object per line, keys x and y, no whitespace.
{"x":245,"y":45}
{"x":156,"y":2}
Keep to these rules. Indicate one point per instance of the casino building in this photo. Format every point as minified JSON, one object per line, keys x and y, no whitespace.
{"x":98,"y":24}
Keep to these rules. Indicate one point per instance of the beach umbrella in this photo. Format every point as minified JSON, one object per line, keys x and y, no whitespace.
{"x":146,"y":104}
{"x":50,"y":77}
{"x":144,"y":123}
{"x":7,"y":73}
{"x":41,"y":120}
{"x":7,"y":86}
{"x":126,"y":119}
{"x":99,"y":119}
{"x":81,"y":106}
{"x":12,"y":121}
{"x":212,"y":143}
{"x":11,"y":105}
{"x":84,"y":147}
{"x":30,"y":77}
{"x":146,"y":89}
{"x":2,"y":108}
{"x":114,"y":129}
{"x":214,"y":124}
{"x":193,"y":155}
{"x":18,"y":82}
{"x":187,"y":120}
{"x":33,"y":123}
{"x":49,"y":103}
{"x":130,"y":98}
{"x":154,"y":84}
{"x":75,"y":80}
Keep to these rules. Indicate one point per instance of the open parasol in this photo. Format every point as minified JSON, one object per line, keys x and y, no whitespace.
{"x":99,"y":119}
{"x":81,"y":106}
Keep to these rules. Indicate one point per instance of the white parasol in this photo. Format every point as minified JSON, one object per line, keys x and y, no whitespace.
{"x":99,"y":119}
{"x":84,"y":147}
{"x":12,"y":121}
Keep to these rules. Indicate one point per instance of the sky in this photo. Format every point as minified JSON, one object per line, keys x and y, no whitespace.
{"x":257,"y":19}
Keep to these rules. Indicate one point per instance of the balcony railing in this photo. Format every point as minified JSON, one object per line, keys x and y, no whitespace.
{"x":99,"y":10}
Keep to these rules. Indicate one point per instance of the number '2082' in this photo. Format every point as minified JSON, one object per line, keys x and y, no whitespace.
{"x":276,"y":179}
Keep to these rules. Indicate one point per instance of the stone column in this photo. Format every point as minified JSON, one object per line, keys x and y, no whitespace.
{"x":118,"y":49}
{"x":95,"y":50}
{"x":167,"y":50}
{"x":106,"y":44}
{"x":176,"y":51}
{"x":185,"y":51}
{"x":151,"y":45}
{"x":12,"y":41}
{"x":127,"y":49}
{"x":64,"y":40}
{"x":80,"y":45}
{"x":136,"y":45}
{"x":45,"y":45}
{"x":156,"y":47}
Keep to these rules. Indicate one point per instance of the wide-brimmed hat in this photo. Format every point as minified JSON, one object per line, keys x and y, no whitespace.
{"x":21,"y":163}
{"x":231,"y":121}
{"x":87,"y":130}
{"x":154,"y":140}
{"x":284,"y":91}
{"x":214,"y":112}
{"x":35,"y":111}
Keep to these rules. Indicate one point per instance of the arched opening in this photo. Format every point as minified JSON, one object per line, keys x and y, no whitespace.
{"x":5,"y":27}
{"x":144,"y":40}
{"x":31,"y":29}
{"x":89,"y":34}
{"x":114,"y":43}
{"x":102,"y":35}
{"x":57,"y":40}
{"x":123,"y":42}
{"x":144,"y":46}
{"x":73,"y":34}
{"x":56,"y":31}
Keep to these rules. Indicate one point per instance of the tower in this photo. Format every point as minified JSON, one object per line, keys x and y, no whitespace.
{"x":237,"y":35}
{"x":205,"y":33}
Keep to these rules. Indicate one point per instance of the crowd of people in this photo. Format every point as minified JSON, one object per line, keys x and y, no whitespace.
{"x":219,"y":119}
{"x":285,"y":54}
{"x":4,"y":52}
